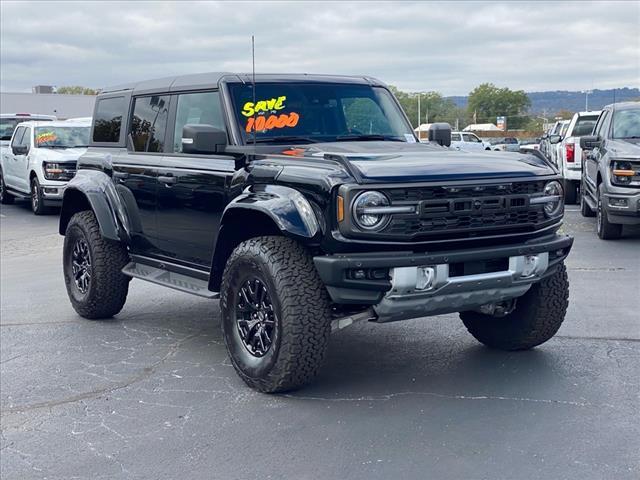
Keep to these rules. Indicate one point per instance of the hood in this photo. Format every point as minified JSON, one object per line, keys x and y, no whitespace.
{"x":623,"y":148}
{"x":59,"y":154}
{"x":416,"y":162}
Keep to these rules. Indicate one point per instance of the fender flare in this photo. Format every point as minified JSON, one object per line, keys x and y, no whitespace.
{"x":288,"y":211}
{"x":95,"y":190}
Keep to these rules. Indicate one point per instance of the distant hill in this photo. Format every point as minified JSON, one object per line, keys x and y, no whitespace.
{"x":557,"y":100}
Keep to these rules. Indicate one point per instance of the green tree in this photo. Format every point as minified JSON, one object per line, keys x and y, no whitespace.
{"x":486,"y":102}
{"x":433,"y":107}
{"x":76,"y":90}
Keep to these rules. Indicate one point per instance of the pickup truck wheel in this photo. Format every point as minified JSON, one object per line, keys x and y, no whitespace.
{"x":37,"y":204}
{"x":5,"y":197}
{"x":276,"y":315}
{"x":605,"y":229}
{"x":570,"y":192}
{"x":585,"y":209}
{"x":92,"y":268}
{"x":536,"y":318}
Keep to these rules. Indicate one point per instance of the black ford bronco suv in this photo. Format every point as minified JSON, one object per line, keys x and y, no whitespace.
{"x":305,"y":203}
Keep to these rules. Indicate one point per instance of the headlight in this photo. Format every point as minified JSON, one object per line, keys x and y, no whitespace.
{"x":52,"y":170}
{"x":366,"y":210}
{"x":625,"y":173}
{"x":554,"y":196}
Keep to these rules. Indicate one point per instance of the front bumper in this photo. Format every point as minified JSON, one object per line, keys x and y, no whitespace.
{"x":397,"y":298}
{"x":52,"y":194}
{"x":622,"y":205}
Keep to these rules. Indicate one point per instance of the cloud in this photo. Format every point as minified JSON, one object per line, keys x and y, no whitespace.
{"x":449,"y":47}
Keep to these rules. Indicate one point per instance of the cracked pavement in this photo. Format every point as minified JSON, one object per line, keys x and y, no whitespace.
{"x":150,"y":394}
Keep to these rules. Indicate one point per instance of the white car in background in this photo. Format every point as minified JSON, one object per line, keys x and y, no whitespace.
{"x":569,"y":154}
{"x":9,"y":121}
{"x":40,"y":160}
{"x":468,"y":142}
{"x":553,"y":152}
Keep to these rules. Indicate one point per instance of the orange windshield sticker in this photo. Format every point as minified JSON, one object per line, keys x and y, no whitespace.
{"x":262,"y":123}
{"x":46,"y":137}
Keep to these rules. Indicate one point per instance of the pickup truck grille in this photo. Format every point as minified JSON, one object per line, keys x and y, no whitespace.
{"x":68,"y":172}
{"x":457,"y":212}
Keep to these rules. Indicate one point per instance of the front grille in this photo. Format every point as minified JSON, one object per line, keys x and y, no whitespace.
{"x":458,"y":212}
{"x":68,"y":172}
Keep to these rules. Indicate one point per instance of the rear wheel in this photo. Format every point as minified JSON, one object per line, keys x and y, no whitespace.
{"x":92,"y":269}
{"x":536,"y":318}
{"x":606,"y":230}
{"x":276,"y":316}
{"x":5,"y":197}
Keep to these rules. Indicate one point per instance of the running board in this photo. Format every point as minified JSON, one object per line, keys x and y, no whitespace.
{"x":169,"y":279}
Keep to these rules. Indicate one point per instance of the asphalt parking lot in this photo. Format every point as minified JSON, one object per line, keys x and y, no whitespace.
{"x":151,"y":394}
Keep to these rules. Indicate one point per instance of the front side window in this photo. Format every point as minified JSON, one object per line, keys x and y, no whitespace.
{"x":108,"y":120}
{"x":62,"y":137}
{"x":149,"y":123}
{"x":626,"y":124}
{"x":469,"y":137}
{"x":26,"y":138}
{"x":598,"y":129}
{"x":455,"y":137}
{"x":197,"y":108}
{"x":317,"y":112}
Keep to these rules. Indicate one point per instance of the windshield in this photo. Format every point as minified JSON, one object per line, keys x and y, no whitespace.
{"x":310,"y":112}
{"x":62,"y":137}
{"x":626,"y":123}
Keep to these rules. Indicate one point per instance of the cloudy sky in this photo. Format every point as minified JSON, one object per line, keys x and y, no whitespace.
{"x":448,"y":47}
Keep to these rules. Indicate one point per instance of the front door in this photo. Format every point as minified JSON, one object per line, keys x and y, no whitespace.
{"x":11,"y":162}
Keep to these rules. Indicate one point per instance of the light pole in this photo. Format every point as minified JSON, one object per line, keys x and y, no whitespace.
{"x":586,"y":99}
{"x":420,"y":113}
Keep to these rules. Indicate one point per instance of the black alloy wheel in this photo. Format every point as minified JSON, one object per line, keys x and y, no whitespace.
{"x":81,"y":266}
{"x":255,"y":317}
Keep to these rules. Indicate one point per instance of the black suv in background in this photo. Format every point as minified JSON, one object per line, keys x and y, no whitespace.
{"x":610,"y":185}
{"x":305,"y":203}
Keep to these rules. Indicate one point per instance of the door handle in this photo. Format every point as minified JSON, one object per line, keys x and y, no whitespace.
{"x":167,"y":179}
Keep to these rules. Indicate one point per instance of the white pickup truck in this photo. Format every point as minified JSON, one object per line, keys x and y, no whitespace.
{"x":9,"y":121}
{"x":468,"y":142}
{"x":39,"y":161}
{"x":569,"y":156}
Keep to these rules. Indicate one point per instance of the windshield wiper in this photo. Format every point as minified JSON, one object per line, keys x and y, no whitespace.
{"x":283,"y":138}
{"x":367,"y":138}
{"x":64,"y":146}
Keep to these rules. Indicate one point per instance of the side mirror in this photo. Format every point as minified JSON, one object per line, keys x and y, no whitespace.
{"x":202,"y":139}
{"x":440,"y":133}
{"x":20,"y":149}
{"x":589,"y":142}
{"x":553,"y":139}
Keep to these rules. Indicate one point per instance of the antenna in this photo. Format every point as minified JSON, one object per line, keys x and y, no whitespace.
{"x":613,"y":115}
{"x":253,"y":86}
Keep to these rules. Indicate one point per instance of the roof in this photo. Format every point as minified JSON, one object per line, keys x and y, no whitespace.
{"x":623,"y":105}
{"x":481,"y":127}
{"x":206,"y":80}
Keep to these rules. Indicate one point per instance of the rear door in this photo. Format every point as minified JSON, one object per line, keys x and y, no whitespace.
{"x":192,"y":189}
{"x":9,"y":162}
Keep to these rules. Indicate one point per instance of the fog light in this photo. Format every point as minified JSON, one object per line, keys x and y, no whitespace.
{"x":359,"y":274}
{"x":50,"y":190}
{"x":530,"y":265}
{"x":425,"y":278}
{"x":618,"y":202}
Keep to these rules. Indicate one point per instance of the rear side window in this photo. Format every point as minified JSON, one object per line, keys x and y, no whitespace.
{"x":470,"y":138}
{"x":108,"y":120}
{"x":455,"y":137}
{"x":17,"y":138}
{"x":197,"y":108}
{"x":149,"y":123}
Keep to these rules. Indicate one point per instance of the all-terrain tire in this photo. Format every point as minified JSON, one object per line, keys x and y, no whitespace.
{"x":302,"y":313}
{"x":604,"y":228}
{"x":107,"y":288}
{"x":5,"y":197}
{"x":536,"y":318}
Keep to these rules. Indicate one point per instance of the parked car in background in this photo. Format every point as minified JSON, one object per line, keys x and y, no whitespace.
{"x":569,"y":154}
{"x":545,"y":145}
{"x":554,"y":148}
{"x":9,"y":121}
{"x":529,"y":145}
{"x":508,"y":144}
{"x":468,"y":141}
{"x":610,"y":181}
{"x":40,"y":160}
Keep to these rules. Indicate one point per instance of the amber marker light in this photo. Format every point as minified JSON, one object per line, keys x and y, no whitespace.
{"x":624,"y":173}
{"x":340,"y":208}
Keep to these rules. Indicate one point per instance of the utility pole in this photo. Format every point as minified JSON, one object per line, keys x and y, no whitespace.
{"x":419,"y":114}
{"x":586,"y":99}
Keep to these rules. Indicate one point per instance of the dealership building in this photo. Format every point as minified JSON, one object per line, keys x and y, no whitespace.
{"x":43,"y":101}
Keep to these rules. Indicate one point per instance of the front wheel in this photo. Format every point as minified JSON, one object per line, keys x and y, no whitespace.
{"x":605,"y":229}
{"x":92,"y":268}
{"x":37,"y":204}
{"x":276,"y":315}
{"x":536,"y":318}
